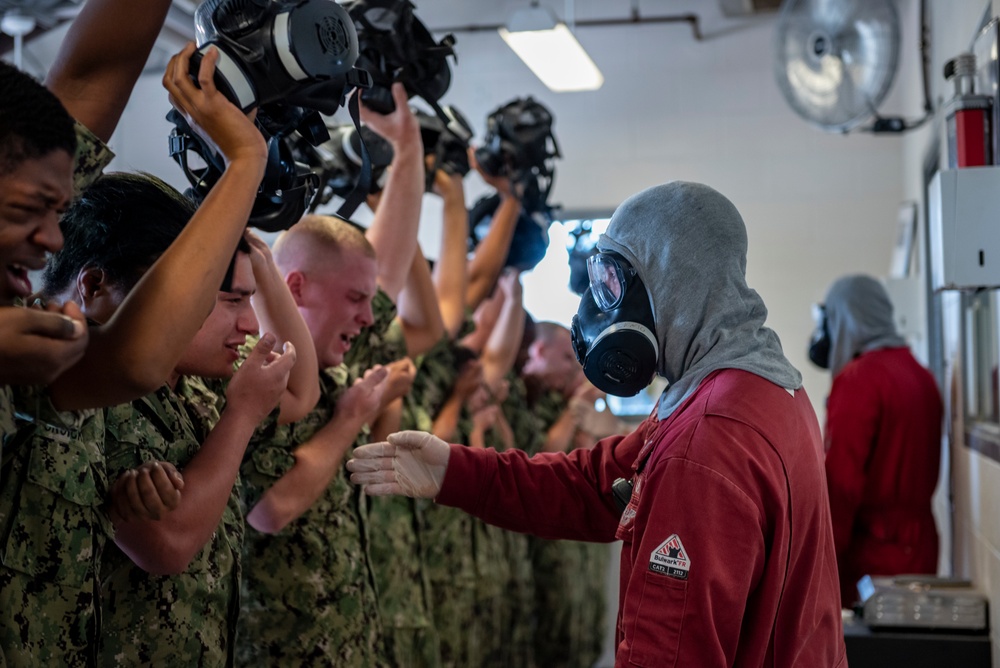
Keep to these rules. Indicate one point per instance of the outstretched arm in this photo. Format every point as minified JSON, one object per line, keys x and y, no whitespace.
{"x":137,"y":349}
{"x":393,"y":232}
{"x":101,"y":57}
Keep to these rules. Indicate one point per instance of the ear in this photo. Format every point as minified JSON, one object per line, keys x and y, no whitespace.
{"x":90,"y":284}
{"x":296,"y":283}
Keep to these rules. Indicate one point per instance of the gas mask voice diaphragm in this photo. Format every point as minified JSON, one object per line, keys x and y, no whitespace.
{"x":298,"y":52}
{"x":614,"y":332}
{"x":292,"y":59}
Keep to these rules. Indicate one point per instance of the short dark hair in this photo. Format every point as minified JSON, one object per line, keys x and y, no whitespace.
{"x":33,"y":122}
{"x":121,"y":224}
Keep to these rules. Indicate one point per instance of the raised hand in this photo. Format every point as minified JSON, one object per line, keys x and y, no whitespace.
{"x":501,"y":184}
{"x":208,"y":112}
{"x":399,"y":128}
{"x":364,"y":398}
{"x":411,"y":463}
{"x":257,"y":386}
{"x":400,"y":380}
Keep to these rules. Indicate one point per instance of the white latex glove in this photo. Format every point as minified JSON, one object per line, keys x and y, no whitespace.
{"x":411,"y":463}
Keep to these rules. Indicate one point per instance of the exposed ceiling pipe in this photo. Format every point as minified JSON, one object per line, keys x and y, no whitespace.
{"x":634,"y":19}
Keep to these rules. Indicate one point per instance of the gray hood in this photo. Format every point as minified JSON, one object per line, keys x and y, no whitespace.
{"x":859,"y":317}
{"x":688,"y":244}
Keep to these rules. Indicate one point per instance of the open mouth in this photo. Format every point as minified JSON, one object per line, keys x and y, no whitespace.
{"x":17,"y":279}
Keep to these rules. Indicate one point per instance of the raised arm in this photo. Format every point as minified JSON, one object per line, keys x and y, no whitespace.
{"x":450,"y":270}
{"x":277,"y":313}
{"x":318,"y":459}
{"x":393,"y":231}
{"x":101,"y":58}
{"x":488,"y":259}
{"x":505,"y":339}
{"x":136,"y":350}
{"x":418,"y":309}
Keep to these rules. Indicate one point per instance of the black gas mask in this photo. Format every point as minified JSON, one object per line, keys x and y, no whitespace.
{"x":340,"y":160}
{"x":395,"y":46}
{"x":819,"y":343}
{"x":286,"y":191}
{"x":446,"y":144}
{"x":530,"y":240}
{"x":290,"y":59}
{"x":297,"y":52}
{"x":520,"y":145}
{"x":614,"y":332}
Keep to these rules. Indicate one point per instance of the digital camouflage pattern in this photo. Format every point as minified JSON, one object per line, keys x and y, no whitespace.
{"x":379,"y":343}
{"x":569,"y":579}
{"x":187,"y":619}
{"x":398,"y":563}
{"x":92,"y":156}
{"x":396,"y":549}
{"x":6,"y":414}
{"x":445,"y":533}
{"x":496,"y":581}
{"x":309,"y":595}
{"x":519,"y":612}
{"x":52,"y":485}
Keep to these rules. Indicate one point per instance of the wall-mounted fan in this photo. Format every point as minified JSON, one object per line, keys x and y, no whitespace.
{"x":836,"y":60}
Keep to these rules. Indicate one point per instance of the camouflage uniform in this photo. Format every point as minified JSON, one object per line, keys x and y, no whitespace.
{"x":398,"y":560}
{"x":494,"y":578}
{"x":92,"y":156}
{"x":519,"y":612}
{"x":309,"y":594}
{"x":6,"y":413}
{"x":187,"y":619}
{"x":445,"y":533}
{"x":569,"y":580}
{"x":52,"y":485}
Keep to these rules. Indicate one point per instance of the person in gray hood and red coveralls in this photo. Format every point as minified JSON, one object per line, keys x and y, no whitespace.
{"x":728,"y":556}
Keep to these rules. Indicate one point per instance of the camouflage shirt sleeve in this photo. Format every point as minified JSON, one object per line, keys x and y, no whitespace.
{"x":92,"y":156}
{"x":270,"y":454}
{"x":431,"y":386}
{"x":6,"y":413}
{"x":527,"y":428}
{"x":378,"y":343}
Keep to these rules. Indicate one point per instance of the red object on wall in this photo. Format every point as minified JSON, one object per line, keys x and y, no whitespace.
{"x":969,"y":136}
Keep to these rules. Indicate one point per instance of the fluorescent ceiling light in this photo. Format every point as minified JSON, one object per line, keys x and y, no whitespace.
{"x":551,"y":51}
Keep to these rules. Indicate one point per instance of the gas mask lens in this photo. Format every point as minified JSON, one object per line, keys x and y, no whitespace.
{"x":608,"y":279}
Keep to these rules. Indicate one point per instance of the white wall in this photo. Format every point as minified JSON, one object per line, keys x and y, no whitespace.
{"x":816,"y":205}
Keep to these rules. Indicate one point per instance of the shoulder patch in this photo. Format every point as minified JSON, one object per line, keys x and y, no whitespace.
{"x":670,"y":559}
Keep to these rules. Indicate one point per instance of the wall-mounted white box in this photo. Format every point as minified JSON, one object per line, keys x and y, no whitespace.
{"x":908,"y":309}
{"x":963,"y":206}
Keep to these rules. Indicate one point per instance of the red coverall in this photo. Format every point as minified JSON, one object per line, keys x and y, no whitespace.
{"x":728,"y":555}
{"x":883,"y":437}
